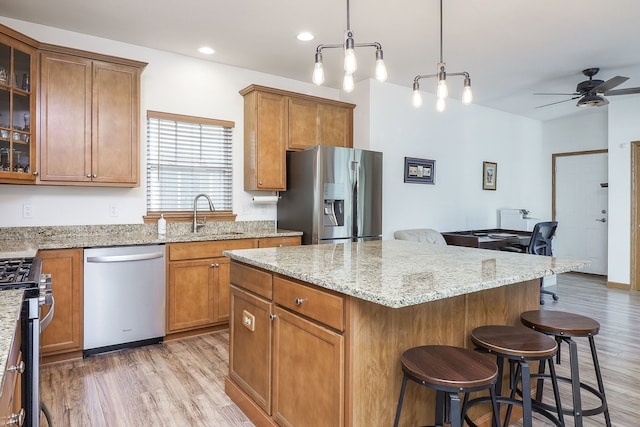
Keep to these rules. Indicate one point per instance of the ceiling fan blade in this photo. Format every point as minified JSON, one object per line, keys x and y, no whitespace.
{"x":609,"y":84}
{"x":554,"y":93}
{"x":559,"y":102}
{"x":627,"y":91}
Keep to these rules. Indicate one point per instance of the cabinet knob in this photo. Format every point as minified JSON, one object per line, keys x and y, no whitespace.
{"x":18,"y":368}
{"x":16,"y":419}
{"x":94,"y":176}
{"x":88,"y":175}
{"x":272,"y":317}
{"x":259,"y":182}
{"x":215,"y":265}
{"x":299,"y":301}
{"x":36,"y":173}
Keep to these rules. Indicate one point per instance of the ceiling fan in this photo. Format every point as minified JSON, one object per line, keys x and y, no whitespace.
{"x":592,"y":92}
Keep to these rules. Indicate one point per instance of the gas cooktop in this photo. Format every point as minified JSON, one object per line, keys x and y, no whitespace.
{"x":19,"y":272}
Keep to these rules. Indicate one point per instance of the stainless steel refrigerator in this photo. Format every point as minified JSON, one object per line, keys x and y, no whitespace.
{"x":334,"y":194}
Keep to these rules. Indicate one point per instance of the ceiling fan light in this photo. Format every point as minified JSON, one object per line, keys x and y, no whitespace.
{"x":591,"y":100}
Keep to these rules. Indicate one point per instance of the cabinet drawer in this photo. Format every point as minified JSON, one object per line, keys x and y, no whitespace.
{"x":254,"y":280}
{"x":211,"y":249}
{"x":319,"y":305}
{"x":274,"y":242}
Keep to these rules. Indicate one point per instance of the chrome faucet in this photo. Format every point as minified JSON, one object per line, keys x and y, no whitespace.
{"x":197,"y":224}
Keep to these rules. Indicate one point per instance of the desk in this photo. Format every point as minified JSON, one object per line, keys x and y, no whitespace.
{"x":493,"y":238}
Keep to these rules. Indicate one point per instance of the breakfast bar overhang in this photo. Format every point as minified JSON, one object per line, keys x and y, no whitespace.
{"x":364,"y":303}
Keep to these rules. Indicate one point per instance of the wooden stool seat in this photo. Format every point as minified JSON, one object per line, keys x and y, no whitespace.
{"x":449,"y":367}
{"x":560,"y":323}
{"x":514,"y":341}
{"x":564,"y":327}
{"x":449,"y":370}
{"x":520,"y":345}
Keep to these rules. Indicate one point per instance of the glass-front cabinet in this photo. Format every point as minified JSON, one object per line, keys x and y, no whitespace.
{"x":17,"y":109}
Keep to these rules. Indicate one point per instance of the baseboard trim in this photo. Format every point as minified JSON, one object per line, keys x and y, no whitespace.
{"x":617,"y":285}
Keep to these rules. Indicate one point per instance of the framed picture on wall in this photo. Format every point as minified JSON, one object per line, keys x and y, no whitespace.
{"x":489,"y":175}
{"x":422,"y":171}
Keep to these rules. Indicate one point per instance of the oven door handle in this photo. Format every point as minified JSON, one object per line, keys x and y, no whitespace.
{"x":44,"y":322}
{"x":124,"y":258}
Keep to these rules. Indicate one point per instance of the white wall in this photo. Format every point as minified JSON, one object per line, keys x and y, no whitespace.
{"x":624,"y":127}
{"x":459,"y":140}
{"x":171,"y":83}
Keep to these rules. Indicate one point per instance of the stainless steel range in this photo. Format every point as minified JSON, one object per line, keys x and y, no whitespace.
{"x":26,"y":273}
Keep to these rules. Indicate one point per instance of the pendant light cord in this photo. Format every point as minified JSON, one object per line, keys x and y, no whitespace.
{"x":348,"y":19}
{"x":441,"y":56}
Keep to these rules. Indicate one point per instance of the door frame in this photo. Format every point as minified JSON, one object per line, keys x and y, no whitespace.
{"x":635,"y":214}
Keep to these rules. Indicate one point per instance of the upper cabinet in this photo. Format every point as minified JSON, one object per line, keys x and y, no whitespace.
{"x":18,"y":60}
{"x":89,"y":118}
{"x":276,"y":121}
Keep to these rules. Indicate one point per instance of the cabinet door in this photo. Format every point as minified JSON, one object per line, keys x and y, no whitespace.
{"x":64,"y":333}
{"x":221,"y":282}
{"x":336,"y":125}
{"x":308,"y":373}
{"x":114,"y":149}
{"x":271,"y":137}
{"x":250,"y":346}
{"x":303,"y":124}
{"x":191,"y":294}
{"x":65,"y":114}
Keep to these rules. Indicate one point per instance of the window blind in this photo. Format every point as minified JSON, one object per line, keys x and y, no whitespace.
{"x":186,"y":157}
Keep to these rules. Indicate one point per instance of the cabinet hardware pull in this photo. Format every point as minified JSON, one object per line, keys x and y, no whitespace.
{"x":16,"y":419}
{"x":94,"y":176}
{"x":18,"y":368}
{"x":36,"y":173}
{"x":88,"y":175}
{"x":259,"y":182}
{"x":215,"y":265}
{"x":299,"y":301}
{"x":272,"y":316}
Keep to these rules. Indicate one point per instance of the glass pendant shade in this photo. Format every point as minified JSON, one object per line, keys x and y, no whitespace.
{"x":318,"y":73}
{"x":442,"y":91}
{"x":350,"y":63}
{"x":381,"y":70}
{"x":347,"y":83}
{"x":467,"y":96}
{"x":417,"y":96}
{"x":440,"y":105}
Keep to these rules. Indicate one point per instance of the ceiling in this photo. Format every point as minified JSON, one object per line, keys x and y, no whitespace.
{"x":511,"y":48}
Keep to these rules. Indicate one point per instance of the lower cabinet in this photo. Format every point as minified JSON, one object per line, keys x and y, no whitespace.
{"x":11,"y":405}
{"x":286,"y":350}
{"x":198,"y":284}
{"x":64,"y":333}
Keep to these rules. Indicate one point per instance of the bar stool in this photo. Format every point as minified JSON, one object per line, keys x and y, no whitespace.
{"x":564,"y":326}
{"x":520,"y":345}
{"x":449,"y":370}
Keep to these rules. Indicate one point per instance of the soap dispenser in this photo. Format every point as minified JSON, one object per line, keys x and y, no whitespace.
{"x":162,"y":226}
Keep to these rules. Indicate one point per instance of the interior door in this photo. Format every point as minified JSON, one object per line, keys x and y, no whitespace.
{"x":581,"y":198}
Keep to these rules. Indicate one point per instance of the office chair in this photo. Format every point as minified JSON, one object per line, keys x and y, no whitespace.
{"x":540,"y":244}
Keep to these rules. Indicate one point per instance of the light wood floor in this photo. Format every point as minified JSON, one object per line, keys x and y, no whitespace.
{"x":181,"y":383}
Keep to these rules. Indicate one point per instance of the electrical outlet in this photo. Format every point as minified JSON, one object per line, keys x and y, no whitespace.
{"x":114,"y":210}
{"x":27,"y":211}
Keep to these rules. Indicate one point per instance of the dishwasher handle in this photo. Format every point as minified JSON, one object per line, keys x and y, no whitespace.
{"x":125,"y":258}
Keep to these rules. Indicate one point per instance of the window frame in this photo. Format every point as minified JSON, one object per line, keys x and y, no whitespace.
{"x":186,"y":216}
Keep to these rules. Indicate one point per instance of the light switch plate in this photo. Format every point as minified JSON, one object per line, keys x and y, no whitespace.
{"x":248,"y":320}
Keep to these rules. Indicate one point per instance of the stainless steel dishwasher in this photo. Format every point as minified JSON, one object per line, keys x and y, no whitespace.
{"x":124,"y":297}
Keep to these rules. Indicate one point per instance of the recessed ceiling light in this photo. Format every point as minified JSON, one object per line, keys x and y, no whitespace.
{"x":206,"y":50}
{"x":305,"y":36}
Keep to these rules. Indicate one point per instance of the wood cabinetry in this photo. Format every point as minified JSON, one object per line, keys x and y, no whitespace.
{"x":89,"y":118}
{"x":277,"y":120}
{"x":18,"y":64}
{"x":64,"y":334}
{"x":11,"y":403}
{"x":198,"y":283}
{"x":274,"y":242}
{"x":295,"y":333}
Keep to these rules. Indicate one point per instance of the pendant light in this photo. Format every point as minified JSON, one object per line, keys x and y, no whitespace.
{"x":350,"y":62}
{"x":442,"y":91}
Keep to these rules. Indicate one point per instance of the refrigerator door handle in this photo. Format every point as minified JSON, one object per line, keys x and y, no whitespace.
{"x":355,"y":167}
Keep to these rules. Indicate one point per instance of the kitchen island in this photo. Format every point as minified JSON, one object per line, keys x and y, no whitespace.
{"x":316,"y":332}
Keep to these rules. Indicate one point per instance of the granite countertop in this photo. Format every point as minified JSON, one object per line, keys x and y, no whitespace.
{"x":397,"y":273}
{"x":10,"y":306}
{"x":26,"y":241}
